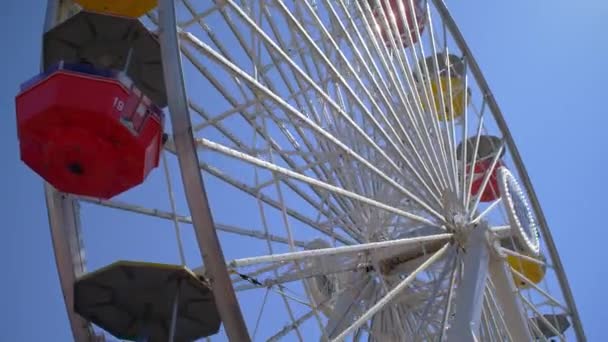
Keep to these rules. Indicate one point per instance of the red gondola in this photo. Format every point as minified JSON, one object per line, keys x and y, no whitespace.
{"x":412,"y":17}
{"x":491,"y":191}
{"x":88,"y":131}
{"x":487,"y":147}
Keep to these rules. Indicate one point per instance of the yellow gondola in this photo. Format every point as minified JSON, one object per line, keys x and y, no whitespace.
{"x":442,"y":85}
{"x":452,"y":80}
{"x":125,"y":8}
{"x":529,"y":269}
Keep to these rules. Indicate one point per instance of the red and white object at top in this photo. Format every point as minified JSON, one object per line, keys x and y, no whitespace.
{"x":88,"y":131}
{"x":418,"y":15}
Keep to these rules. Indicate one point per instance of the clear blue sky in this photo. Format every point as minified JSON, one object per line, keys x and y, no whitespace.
{"x":545,"y":63}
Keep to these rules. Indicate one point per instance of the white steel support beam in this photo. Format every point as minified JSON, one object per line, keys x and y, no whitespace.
{"x":469,"y":294}
{"x":337,"y":251}
{"x":507,"y":298}
{"x":194,"y":188}
{"x":63,"y":217}
{"x":67,"y":245}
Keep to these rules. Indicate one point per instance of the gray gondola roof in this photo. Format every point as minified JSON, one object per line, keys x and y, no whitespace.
{"x":105,"y":41}
{"x":134,"y":299}
{"x":455,"y":64}
{"x":488,"y":147}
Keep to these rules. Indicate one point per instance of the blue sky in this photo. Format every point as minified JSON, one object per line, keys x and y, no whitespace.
{"x":545,"y":62}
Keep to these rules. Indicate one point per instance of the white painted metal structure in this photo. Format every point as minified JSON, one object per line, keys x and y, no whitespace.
{"x":308,"y":124}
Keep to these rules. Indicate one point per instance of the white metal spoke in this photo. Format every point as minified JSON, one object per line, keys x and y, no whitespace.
{"x":543,"y":319}
{"x":523,"y":256}
{"x":486,"y":211}
{"x":434,"y":294}
{"x":294,"y":256}
{"x":540,"y":290}
{"x":363,"y":87}
{"x":225,"y":93}
{"x":448,"y":304}
{"x":203,"y":48}
{"x":486,"y":178}
{"x":267,"y":200}
{"x":178,"y":236}
{"x":390,"y":295}
{"x":114,"y":204}
{"x":442,"y":103}
{"x":288,"y":173}
{"x":395,"y":86}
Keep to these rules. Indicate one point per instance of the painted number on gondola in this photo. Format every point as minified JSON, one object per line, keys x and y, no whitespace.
{"x":119,"y":104}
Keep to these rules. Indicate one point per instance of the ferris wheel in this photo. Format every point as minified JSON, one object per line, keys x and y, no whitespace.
{"x":325,"y":170}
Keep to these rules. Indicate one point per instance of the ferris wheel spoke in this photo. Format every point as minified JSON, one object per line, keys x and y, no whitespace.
{"x":487,"y":210}
{"x":465,"y":133}
{"x":424,"y":98}
{"x":494,"y":309}
{"x":274,"y":203}
{"x":485,"y":333}
{"x":337,"y":251}
{"x":418,"y":55}
{"x":311,"y":201}
{"x":256,"y":233}
{"x":428,"y":324}
{"x":289,"y":231}
{"x":332,"y":207}
{"x":345,"y":307}
{"x":542,"y":319}
{"x":258,"y":320}
{"x":204,"y":48}
{"x":396,"y":84}
{"x":214,"y":121}
{"x":238,"y":72}
{"x":360,"y":83}
{"x":303,"y":318}
{"x":270,"y":249}
{"x":524,"y":257}
{"x":290,"y":327}
{"x":291,"y":275}
{"x":450,"y":159}
{"x":258,"y":278}
{"x":551,"y":299}
{"x":493,"y":327}
{"x":176,"y":225}
{"x":468,"y":174}
{"x":439,"y":283}
{"x":137,"y":209}
{"x":451,"y":131}
{"x":322,"y":185}
{"x":200,"y":111}
{"x":404,"y":69}
{"x":390,"y":295}
{"x":166,"y":215}
{"x":450,"y":93}
{"x":486,"y":178}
